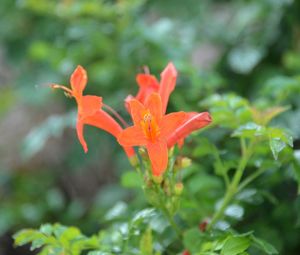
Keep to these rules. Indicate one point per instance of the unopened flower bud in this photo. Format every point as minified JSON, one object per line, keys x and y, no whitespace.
{"x":171,"y":151}
{"x":166,"y":187}
{"x":182,"y":162}
{"x":185,"y":162}
{"x":178,"y":188}
{"x":148,"y":182}
{"x":134,"y":160}
{"x":203,"y":225}
{"x":143,"y":153}
{"x":158,"y":179}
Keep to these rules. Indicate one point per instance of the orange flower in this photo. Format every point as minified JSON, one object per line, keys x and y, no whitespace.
{"x":149,"y":84}
{"x":89,"y":109}
{"x":151,"y":129}
{"x":192,"y":122}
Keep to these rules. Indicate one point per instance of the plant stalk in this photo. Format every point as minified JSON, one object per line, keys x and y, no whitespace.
{"x":233,"y":187}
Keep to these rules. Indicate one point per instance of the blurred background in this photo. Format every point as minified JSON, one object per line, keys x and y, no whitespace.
{"x":249,"y":48}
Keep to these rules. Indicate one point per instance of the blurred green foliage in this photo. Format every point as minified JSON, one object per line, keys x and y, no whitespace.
{"x":238,"y":59}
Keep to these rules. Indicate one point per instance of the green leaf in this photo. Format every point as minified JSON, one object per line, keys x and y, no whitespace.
{"x":249,"y":130}
{"x":99,"y":253}
{"x":117,"y":211}
{"x":146,"y":243}
{"x":193,"y":239}
{"x":281,"y":87}
{"x":46,"y":229}
{"x":228,"y":110}
{"x":37,"y":243}
{"x":278,"y":140}
{"x":131,"y":179}
{"x":244,"y":58}
{"x":24,"y":236}
{"x":263,"y":245}
{"x":276,"y":146}
{"x":235,"y":245}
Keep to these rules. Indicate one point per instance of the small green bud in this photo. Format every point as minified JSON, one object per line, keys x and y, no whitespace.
{"x":134,"y":161}
{"x":166,"y":187}
{"x":185,"y":162}
{"x":157,"y":179}
{"x":182,"y":162}
{"x":178,"y":188}
{"x":143,"y":153}
{"x":148,"y":182}
{"x":171,"y":151}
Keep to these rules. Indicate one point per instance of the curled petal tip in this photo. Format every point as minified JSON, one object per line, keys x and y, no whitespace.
{"x":78,"y":79}
{"x":170,"y":70}
{"x":207,"y":117}
{"x":127,"y":102}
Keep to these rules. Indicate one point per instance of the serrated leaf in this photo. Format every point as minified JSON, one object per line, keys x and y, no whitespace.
{"x":264,"y":245}
{"x":278,"y":140}
{"x":117,"y":211}
{"x":235,"y":245}
{"x":276,"y":146}
{"x":58,"y":230}
{"x":24,"y":236}
{"x":37,"y":243}
{"x":249,"y":130}
{"x":265,"y":116}
{"x":143,"y":215}
{"x":46,"y":229}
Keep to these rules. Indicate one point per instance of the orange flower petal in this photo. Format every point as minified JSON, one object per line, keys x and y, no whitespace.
{"x":170,"y":123}
{"x":158,"y":154}
{"x":102,"y":120}
{"x":167,"y":84}
{"x":132,"y":136}
{"x":154,"y":105}
{"x":192,"y":122}
{"x":148,"y":84}
{"x":136,"y":111}
{"x":79,"y":129}
{"x":89,"y":105}
{"x":147,"y":80}
{"x":78,"y":81}
{"x":127,"y":102}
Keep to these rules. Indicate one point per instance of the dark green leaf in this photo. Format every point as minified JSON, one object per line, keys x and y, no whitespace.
{"x":193,"y":239}
{"x":235,"y":245}
{"x":263,"y":245}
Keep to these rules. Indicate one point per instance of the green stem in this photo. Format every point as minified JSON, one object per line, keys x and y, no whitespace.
{"x":162,"y":206}
{"x":226,"y":179}
{"x":233,"y":186}
{"x":250,"y":178}
{"x":173,"y":224}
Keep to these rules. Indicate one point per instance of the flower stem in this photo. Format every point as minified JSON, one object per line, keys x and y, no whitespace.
{"x":233,"y":186}
{"x":173,"y":224}
{"x":164,"y":209}
{"x":250,"y":178}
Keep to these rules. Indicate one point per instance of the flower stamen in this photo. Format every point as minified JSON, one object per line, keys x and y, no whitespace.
{"x":149,"y":126}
